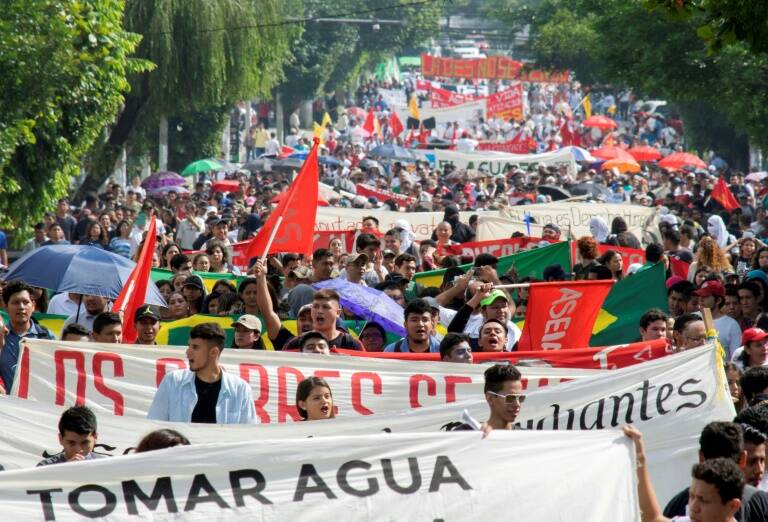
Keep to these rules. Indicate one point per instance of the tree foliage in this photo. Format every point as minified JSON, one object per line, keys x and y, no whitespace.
{"x":209,"y":54}
{"x":64,"y":66}
{"x":627,"y":45}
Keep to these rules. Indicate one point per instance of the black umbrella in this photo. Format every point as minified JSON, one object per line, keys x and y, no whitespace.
{"x":260,"y":165}
{"x":391,"y":152}
{"x":287,"y":164}
{"x":555,"y":192}
{"x":590,"y":189}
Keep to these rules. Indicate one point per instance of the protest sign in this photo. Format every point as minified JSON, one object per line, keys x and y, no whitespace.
{"x":511,"y":146}
{"x":496,"y":162}
{"x":382,"y":476}
{"x":122,"y":379}
{"x":507,"y":104}
{"x":571,"y":216}
{"x":669,"y":399}
{"x":496,"y":247}
{"x":382,"y":195}
{"x":628,"y":255}
{"x":440,"y":98}
{"x":422,"y":223}
{"x":562,"y":312}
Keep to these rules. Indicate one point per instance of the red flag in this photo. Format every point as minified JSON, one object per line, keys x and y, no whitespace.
{"x":723,"y":195}
{"x":678,"y":267}
{"x":298,"y":210}
{"x":562,"y":313}
{"x":395,"y":124}
{"x":370,"y":124}
{"x":134,"y":290}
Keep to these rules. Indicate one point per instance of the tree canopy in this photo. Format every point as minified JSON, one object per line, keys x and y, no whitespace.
{"x":65,"y":65}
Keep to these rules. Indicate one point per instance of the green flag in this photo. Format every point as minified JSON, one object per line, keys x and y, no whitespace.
{"x":619,"y":318}
{"x":526,"y":263}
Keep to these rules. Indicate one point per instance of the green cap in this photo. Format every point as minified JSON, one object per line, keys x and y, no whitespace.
{"x":496,"y":294}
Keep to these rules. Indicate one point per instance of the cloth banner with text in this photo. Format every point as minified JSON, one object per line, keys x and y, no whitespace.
{"x":440,"y":98}
{"x":487,"y":67}
{"x":628,"y":255}
{"x":669,"y":399}
{"x":497,"y":163}
{"x":562,"y":312}
{"x":497,"y":247}
{"x":507,"y":104}
{"x":122,"y":379}
{"x":383,"y":476}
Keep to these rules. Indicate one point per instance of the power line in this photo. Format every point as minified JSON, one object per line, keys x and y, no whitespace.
{"x":319,"y":18}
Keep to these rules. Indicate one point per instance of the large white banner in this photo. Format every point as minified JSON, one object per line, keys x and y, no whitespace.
{"x":422,"y":224}
{"x":568,"y":215}
{"x":511,"y":476}
{"x":463,"y":113}
{"x":670,"y":399}
{"x":496,"y":162}
{"x":122,"y":379}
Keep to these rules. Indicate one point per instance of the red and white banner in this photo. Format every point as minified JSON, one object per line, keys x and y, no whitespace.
{"x":511,"y":147}
{"x":323,"y":239}
{"x":122,"y":379}
{"x":440,"y":98}
{"x":490,"y":67}
{"x":628,"y":255}
{"x":562,"y":313}
{"x":496,"y":247}
{"x":506,"y":105}
{"x":382,"y":195}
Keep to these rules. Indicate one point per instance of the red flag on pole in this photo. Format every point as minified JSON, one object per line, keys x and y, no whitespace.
{"x":562,"y":313}
{"x":134,"y":290}
{"x":723,"y":195}
{"x":370,"y":123}
{"x":395,"y":124}
{"x":291,"y":226}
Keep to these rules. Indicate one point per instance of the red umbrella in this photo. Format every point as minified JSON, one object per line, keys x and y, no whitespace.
{"x":356,"y":112}
{"x":645,"y":153}
{"x":226,"y":185}
{"x":678,"y":160}
{"x":601,"y":122}
{"x":612,"y":152}
{"x":277,"y":199}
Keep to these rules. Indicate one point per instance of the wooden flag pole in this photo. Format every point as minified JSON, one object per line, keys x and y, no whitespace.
{"x":272,"y":234}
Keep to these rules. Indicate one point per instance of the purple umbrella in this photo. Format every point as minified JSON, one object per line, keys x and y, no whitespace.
{"x":163,"y":178}
{"x":165,"y":190}
{"x":368,"y":303}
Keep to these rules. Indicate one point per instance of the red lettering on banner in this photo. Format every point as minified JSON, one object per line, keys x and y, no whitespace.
{"x":450,"y":386}
{"x":162,"y":363}
{"x":329,"y":374}
{"x":357,"y":395}
{"x":98,"y":378}
{"x":285,"y":408}
{"x":59,"y":358}
{"x":23,"y":390}
{"x":259,"y":402}
{"x":414,"y":382}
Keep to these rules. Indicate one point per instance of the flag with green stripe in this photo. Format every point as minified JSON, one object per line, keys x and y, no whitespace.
{"x":527,"y":263}
{"x":619,"y":319}
{"x":209,"y":278}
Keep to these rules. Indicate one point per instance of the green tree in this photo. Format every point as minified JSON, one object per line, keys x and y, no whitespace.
{"x":209,"y":54}
{"x":64,"y":66}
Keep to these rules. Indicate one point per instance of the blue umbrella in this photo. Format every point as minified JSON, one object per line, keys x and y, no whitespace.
{"x":368,"y":303}
{"x":78,"y":269}
{"x":391,"y":151}
{"x":329,"y":160}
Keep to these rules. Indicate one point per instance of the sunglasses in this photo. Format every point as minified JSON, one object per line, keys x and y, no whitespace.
{"x":510,"y":398}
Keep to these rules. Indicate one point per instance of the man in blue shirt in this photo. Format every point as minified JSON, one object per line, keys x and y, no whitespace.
{"x":18,"y":300}
{"x":204,"y":392}
{"x":418,"y":327}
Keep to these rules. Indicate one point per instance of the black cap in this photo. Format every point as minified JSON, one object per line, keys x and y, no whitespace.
{"x":194,"y":281}
{"x":146,"y":311}
{"x":555,"y":272}
{"x":486,"y":259}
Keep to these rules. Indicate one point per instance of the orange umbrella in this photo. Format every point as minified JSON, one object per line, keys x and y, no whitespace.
{"x":277,"y":199}
{"x":622,"y":164}
{"x":645,"y":153}
{"x":612,"y":152}
{"x":678,"y":160}
{"x":601,"y":122}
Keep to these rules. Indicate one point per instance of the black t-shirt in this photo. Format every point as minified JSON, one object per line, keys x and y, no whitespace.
{"x":207,"y":397}
{"x":283,"y":336}
{"x":754,"y":507}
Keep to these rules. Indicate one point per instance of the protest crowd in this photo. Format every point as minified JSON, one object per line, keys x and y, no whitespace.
{"x":413,"y":229}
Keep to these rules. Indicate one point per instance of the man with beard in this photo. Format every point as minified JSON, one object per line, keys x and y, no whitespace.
{"x":204,"y":392}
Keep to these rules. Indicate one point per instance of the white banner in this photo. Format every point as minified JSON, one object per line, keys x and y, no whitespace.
{"x":670,"y":399}
{"x":573,"y":215}
{"x":422,"y":223}
{"x":557,"y":476}
{"x":122,"y":379}
{"x":464,"y":113}
{"x":496,"y":162}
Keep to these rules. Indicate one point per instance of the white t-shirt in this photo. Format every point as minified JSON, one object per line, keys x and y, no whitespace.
{"x":61,"y":304}
{"x":474,"y":324}
{"x":729,"y":333}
